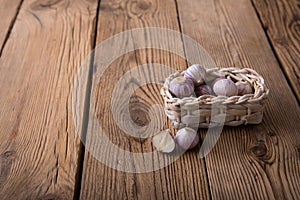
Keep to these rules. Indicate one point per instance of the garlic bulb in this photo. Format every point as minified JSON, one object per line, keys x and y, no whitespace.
{"x":244,"y":88}
{"x":214,"y":81}
{"x":202,"y":90}
{"x":181,"y":87}
{"x":225,"y":87}
{"x":196,"y":73}
{"x":187,"y":138}
{"x":164,"y":142}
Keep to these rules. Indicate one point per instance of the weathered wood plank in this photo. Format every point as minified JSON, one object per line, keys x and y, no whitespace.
{"x":281,"y":21}
{"x":39,"y":145}
{"x":248,"y":162}
{"x":8,"y":13}
{"x":186,"y":178}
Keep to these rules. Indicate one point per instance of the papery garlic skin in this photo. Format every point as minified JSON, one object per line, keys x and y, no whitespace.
{"x":244,"y":88}
{"x":202,"y":90}
{"x":196,"y":73}
{"x":164,"y":142}
{"x":225,"y":87}
{"x":187,"y":138}
{"x":181,"y":87}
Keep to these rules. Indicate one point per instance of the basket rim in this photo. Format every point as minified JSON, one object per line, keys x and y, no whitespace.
{"x":261,"y":91}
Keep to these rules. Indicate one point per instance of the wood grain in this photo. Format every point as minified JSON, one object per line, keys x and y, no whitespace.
{"x":8,"y":13}
{"x":185,"y":178}
{"x":248,"y":162}
{"x":281,"y":21}
{"x":39,"y":145}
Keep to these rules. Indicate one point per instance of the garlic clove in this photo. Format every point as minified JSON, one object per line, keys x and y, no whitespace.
{"x":164,"y":142}
{"x":187,"y":138}
{"x":244,"y":88}
{"x":225,"y":87}
{"x":202,"y":90}
{"x":196,"y":73}
{"x":181,"y":87}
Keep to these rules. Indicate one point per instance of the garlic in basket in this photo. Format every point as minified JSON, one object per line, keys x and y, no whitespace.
{"x":202,"y":90}
{"x":187,"y":138}
{"x":196,"y":73}
{"x":225,"y":87}
{"x":217,"y":79}
{"x":181,"y":87}
{"x":244,"y":88}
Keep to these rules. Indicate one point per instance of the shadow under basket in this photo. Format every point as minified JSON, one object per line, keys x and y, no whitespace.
{"x":209,"y":110}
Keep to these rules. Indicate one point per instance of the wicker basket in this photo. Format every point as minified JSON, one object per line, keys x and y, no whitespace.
{"x":209,"y":111}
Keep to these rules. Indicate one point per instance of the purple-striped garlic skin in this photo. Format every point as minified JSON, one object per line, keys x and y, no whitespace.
{"x":197,"y":73}
{"x":225,"y":87}
{"x":181,"y":87}
{"x":186,"y":138}
{"x":203,"y":90}
{"x":214,"y":81}
{"x":244,"y":88}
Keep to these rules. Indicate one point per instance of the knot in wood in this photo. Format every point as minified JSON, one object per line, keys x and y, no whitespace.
{"x":271,"y":133}
{"x":259,"y":150}
{"x":295,"y":27}
{"x":46,"y":4}
{"x":9,"y":154}
{"x":139,"y":8}
{"x":139,"y":112}
{"x":143,"y":5}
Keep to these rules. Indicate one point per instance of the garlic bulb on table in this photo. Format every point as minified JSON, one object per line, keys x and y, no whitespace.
{"x":225,"y":87}
{"x":181,"y":87}
{"x":196,"y":73}
{"x":187,"y":138}
{"x":244,"y":88}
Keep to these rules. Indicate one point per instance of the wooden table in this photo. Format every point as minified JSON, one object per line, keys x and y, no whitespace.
{"x":44,"y":42}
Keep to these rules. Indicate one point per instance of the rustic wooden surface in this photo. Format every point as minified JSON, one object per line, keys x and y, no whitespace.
{"x":154,"y":185}
{"x":281,"y":21}
{"x":8,"y":13}
{"x":39,"y":146}
{"x":262,"y":161}
{"x":43,"y":43}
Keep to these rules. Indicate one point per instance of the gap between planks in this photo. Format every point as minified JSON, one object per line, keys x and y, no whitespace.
{"x":281,"y":65}
{"x":81,"y":156}
{"x":201,"y":139}
{"x":12,"y":23}
{"x":184,"y":48}
{"x":251,"y":133}
{"x":135,"y":183}
{"x":51,"y":111}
